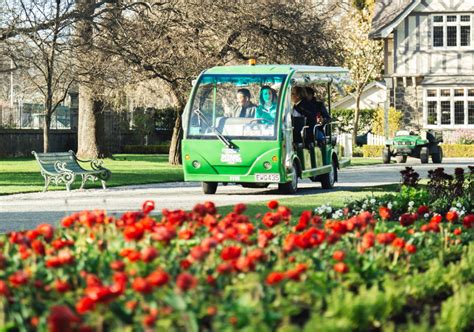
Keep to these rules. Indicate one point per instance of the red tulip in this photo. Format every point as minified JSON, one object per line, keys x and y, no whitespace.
{"x":385,"y":213}
{"x":410,"y":248}
{"x":84,"y":305}
{"x":149,"y":254}
{"x":240,"y":208}
{"x":158,"y":278}
{"x":341,"y":267}
{"x":468,"y":221}
{"x":274,"y":278}
{"x":452,"y":216}
{"x":339,"y":255}
{"x":230,"y":253}
{"x":148,"y":206}
{"x":272,"y":205}
{"x":141,"y":285}
{"x":186,"y":281}
{"x":62,"y":319}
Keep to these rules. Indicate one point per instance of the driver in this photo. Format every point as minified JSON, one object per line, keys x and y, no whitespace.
{"x":245,"y":108}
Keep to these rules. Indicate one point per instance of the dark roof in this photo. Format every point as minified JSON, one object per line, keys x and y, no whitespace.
{"x":385,"y":12}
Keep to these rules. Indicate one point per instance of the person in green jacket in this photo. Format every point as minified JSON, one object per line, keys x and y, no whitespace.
{"x":267,"y":107}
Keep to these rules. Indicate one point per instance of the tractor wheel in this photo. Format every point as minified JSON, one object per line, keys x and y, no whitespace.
{"x":209,"y":188}
{"x":437,"y":157}
{"x":386,"y":155}
{"x":292,"y":186}
{"x":401,"y":159}
{"x":424,"y":155}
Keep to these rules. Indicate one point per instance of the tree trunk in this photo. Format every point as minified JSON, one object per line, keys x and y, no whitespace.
{"x":86,"y":138}
{"x":356,"y":118}
{"x":174,"y":157}
{"x":46,"y":126}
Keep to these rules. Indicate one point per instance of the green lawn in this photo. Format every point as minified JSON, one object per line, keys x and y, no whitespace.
{"x":20,"y":175}
{"x":335,"y":198}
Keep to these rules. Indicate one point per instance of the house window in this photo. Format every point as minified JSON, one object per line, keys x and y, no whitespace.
{"x":449,"y":107}
{"x":451,"y":31}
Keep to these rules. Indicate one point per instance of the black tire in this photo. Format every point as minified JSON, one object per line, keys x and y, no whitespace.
{"x":328,"y":179}
{"x":386,"y":155}
{"x":424,"y":155}
{"x":437,"y":157}
{"x":292,"y":186}
{"x":401,"y":159}
{"x":209,"y":188}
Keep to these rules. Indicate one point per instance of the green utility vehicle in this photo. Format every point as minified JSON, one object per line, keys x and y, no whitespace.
{"x":409,"y":144}
{"x":255,"y":147}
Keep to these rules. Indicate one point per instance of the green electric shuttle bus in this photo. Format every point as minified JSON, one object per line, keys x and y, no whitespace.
{"x":266,"y":144}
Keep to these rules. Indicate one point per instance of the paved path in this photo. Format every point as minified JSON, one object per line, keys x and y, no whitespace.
{"x":25,"y":211}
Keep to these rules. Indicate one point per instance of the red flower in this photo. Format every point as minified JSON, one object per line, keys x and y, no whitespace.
{"x":452,"y":216}
{"x":158,"y":278}
{"x":240,"y":208}
{"x":197,"y":253}
{"x":410,"y":248}
{"x":423,"y":209}
{"x":185,"y":234}
{"x":386,"y":238}
{"x":68,"y":221}
{"x":4,"y":288}
{"x":271,"y":219}
{"x":339,"y":255}
{"x":274,"y":278}
{"x":185,"y":264}
{"x":272,"y":205}
{"x":38,"y":247}
{"x":398,"y":243}
{"x":341,"y":267}
{"x":62,"y":286}
{"x":85,"y":304}
{"x":368,"y":240}
{"x":46,"y":230}
{"x":256,"y":254}
{"x":62,"y":319}
{"x":303,"y":221}
{"x":407,"y":219}
{"x":244,"y":264}
{"x":186,"y":281}
{"x":230,"y":253}
{"x":436,"y":218}
{"x":18,"y":278}
{"x":457,"y":231}
{"x":133,"y":232}
{"x":385,"y":213}
{"x":65,"y":257}
{"x":148,"y":206}
{"x":295,"y":273}
{"x":149,"y":254}
{"x":117,"y":265}
{"x":263,"y":237}
{"x":141,"y":285}
{"x":210,"y":207}
{"x":149,"y":320}
{"x":468,"y":221}
{"x":163,"y":233}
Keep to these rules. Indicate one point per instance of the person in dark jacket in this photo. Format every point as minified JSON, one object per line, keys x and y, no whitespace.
{"x":321,"y":114}
{"x":303,"y":107}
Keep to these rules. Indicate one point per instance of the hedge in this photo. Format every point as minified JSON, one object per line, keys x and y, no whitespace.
{"x":449,"y":150}
{"x":147,"y":149}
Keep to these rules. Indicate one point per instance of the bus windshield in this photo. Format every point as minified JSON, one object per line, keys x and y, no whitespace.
{"x":235,"y":107}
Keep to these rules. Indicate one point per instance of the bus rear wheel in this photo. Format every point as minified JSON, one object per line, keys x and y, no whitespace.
{"x":209,"y":188}
{"x":328,"y":179}
{"x":292,"y":186}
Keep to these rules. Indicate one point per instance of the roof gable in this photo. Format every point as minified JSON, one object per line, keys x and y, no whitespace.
{"x":388,"y":14}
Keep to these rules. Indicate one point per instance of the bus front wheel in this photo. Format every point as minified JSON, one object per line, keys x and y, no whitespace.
{"x":209,"y":188}
{"x":292,"y":186}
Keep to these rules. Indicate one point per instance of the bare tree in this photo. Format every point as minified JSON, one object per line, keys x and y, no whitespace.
{"x":42,"y":55}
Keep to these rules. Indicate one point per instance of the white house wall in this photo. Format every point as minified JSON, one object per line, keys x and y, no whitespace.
{"x":414,"y":54}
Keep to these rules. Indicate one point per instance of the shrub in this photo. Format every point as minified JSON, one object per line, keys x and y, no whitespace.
{"x":394,"y":121}
{"x":147,"y":149}
{"x":372,"y":150}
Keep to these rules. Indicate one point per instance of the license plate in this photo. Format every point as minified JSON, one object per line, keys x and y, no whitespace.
{"x":270,"y":177}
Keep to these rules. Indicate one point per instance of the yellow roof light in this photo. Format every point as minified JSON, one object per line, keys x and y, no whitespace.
{"x":252,"y":61}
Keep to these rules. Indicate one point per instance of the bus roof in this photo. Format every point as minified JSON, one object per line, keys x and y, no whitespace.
{"x":274,"y":69}
{"x":303,"y":75}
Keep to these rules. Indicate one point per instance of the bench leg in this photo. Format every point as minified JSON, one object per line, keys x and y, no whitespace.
{"x":83,"y":181}
{"x":47,"y":181}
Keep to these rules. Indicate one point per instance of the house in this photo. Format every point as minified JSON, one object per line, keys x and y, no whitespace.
{"x":373,"y":96}
{"x":428,"y":60}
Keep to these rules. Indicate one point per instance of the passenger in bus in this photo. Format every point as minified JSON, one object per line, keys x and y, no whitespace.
{"x":267,"y":107}
{"x":302,"y":107}
{"x":321,"y":114}
{"x":245,"y":108}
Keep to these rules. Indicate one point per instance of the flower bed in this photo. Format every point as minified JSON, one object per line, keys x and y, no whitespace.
{"x":386,"y":262}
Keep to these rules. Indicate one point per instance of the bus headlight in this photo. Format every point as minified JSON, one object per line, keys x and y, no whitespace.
{"x":196,"y":164}
{"x":267,"y":165}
